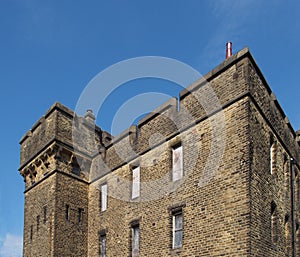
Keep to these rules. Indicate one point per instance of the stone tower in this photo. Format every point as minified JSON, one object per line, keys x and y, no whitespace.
{"x":56,"y":184}
{"x":223,"y":182}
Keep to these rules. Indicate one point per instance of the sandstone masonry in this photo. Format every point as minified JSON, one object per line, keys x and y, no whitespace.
{"x":237,"y":192}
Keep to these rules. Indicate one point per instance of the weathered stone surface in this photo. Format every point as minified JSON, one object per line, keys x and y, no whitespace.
{"x":226,"y":197}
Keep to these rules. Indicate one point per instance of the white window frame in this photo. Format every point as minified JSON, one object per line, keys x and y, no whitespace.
{"x":135,"y":191}
{"x":104,"y":197}
{"x":175,"y":229}
{"x":177,"y":162}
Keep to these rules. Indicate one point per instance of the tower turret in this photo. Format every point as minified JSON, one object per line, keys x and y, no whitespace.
{"x":56,"y":182}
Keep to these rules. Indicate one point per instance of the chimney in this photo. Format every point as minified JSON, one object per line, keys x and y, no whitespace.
{"x":228,"y":50}
{"x":89,"y":116}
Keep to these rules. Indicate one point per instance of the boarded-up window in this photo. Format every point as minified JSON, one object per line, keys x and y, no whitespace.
{"x":104,"y":197}
{"x":272,"y":155}
{"x":135,"y":182}
{"x":177,"y":163}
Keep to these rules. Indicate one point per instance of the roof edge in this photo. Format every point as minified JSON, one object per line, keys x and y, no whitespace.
{"x":245,"y":52}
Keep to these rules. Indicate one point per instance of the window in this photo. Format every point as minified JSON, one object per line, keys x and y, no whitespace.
{"x":102,"y":242}
{"x":177,"y":163}
{"x":38,"y":222}
{"x":297,"y":239}
{"x":297,"y":196}
{"x":286,"y":176}
{"x":287,"y":235}
{"x":104,"y":197}
{"x":135,"y":240}
{"x":67,"y":212}
{"x":135,"y":183}
{"x":45,"y":214}
{"x":274,"y":223}
{"x":177,"y":230}
{"x":31,"y":233}
{"x":80,"y":213}
{"x":272,"y":155}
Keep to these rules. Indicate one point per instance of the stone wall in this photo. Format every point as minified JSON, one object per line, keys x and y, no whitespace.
{"x":226,"y":196}
{"x":38,"y":239}
{"x":71,"y":233}
{"x":268,"y":124}
{"x":216,"y":215}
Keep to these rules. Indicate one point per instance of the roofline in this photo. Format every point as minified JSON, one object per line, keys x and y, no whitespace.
{"x":56,"y":106}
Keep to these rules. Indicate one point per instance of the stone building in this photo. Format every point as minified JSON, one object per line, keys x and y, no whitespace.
{"x":187,"y":180}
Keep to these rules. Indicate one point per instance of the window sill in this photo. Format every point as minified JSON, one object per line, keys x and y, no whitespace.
{"x":176,"y":251}
{"x":135,"y":199}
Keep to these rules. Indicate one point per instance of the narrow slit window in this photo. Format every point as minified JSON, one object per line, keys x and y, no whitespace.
{"x":31,"y":233}
{"x":297,"y":239}
{"x":102,"y":243}
{"x":135,"y":240}
{"x":177,"y":231}
{"x":45,"y":214}
{"x":297,"y":196}
{"x":272,"y":156}
{"x":104,"y":197}
{"x":274,"y":223}
{"x":135,"y":182}
{"x":287,"y":235}
{"x":38,"y":222}
{"x":177,"y":163}
{"x":67,"y":212}
{"x":286,"y":176}
{"x":80,"y":214}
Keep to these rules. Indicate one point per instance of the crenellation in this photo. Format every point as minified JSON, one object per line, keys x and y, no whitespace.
{"x":168,"y":108}
{"x":42,"y":134}
{"x":234,"y":192}
{"x":263,"y":98}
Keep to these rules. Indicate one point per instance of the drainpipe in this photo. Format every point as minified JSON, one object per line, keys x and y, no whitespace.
{"x":292,"y":172}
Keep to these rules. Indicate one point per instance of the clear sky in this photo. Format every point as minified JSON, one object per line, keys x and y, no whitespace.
{"x":50,"y":50}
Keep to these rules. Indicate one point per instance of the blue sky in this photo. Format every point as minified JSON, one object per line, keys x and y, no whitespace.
{"x":50,"y":50}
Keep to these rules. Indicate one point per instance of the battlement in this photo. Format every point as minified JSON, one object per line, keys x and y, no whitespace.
{"x":56,"y":126}
{"x":228,"y":82}
{"x":235,"y":78}
{"x":218,"y":155}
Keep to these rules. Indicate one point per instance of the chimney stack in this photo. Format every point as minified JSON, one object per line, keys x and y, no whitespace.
{"x":228,"y":50}
{"x":89,"y":116}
